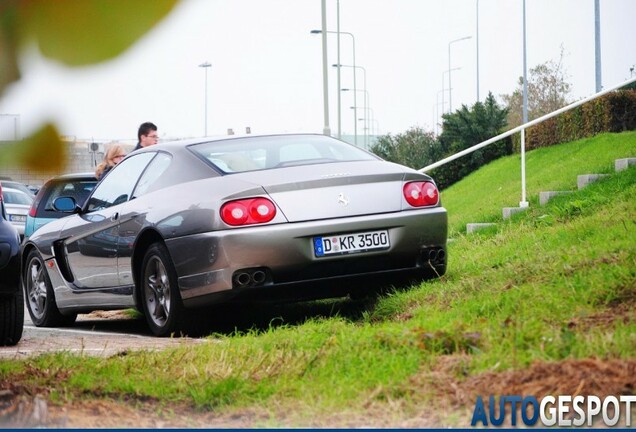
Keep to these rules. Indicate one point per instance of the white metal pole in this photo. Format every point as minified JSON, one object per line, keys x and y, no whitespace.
{"x":524,"y":202}
{"x":477,"y":44}
{"x":325,"y":80}
{"x":338,"y":71}
{"x":597,"y":43}
{"x":205,"y":65}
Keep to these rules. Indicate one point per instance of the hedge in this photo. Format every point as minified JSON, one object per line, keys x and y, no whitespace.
{"x":613,"y":112}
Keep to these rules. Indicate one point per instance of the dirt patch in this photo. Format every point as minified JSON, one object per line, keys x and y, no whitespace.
{"x":454,"y":396}
{"x":457,"y":393}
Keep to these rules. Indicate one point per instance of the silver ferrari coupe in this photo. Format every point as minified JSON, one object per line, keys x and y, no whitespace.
{"x":190,"y":223}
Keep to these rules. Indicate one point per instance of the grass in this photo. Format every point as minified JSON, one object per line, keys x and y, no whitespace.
{"x":553,"y":283}
{"x":481,"y":196}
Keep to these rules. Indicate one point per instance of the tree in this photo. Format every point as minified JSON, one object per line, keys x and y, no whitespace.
{"x":465,"y":128}
{"x":415,"y":148}
{"x":548,"y":90}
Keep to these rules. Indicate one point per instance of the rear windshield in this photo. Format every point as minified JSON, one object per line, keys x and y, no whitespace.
{"x":78,"y":189}
{"x":16,"y":197}
{"x":262,"y":153}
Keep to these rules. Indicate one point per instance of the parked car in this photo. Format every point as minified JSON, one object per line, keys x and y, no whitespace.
{"x":17,"y":205}
{"x":11,"y":295}
{"x":188,"y":224}
{"x":20,"y":186}
{"x":77,"y":186}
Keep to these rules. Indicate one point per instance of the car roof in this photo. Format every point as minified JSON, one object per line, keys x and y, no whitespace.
{"x":10,"y":189}
{"x":14,"y":184}
{"x":73,"y":176}
{"x":186,"y":142}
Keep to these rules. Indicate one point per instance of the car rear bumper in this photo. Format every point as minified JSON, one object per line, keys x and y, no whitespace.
{"x":208,"y":263}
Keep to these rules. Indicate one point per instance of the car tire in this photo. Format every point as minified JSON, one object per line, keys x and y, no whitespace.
{"x":40,"y":298}
{"x":160,"y":298}
{"x":11,"y":318}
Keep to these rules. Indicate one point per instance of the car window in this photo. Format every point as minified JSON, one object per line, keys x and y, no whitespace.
{"x":157,"y":167}
{"x":77,"y":189}
{"x":117,"y":186}
{"x":258,"y":153}
{"x":19,"y":186}
{"x":16,"y":197}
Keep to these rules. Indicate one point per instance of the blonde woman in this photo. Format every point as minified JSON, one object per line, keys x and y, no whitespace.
{"x":112,"y":157}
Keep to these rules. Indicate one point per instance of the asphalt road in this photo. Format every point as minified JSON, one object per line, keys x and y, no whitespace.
{"x":101,"y":333}
{"x":106,"y":333}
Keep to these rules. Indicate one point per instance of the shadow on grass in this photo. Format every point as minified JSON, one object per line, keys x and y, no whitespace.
{"x":253,"y":316}
{"x":242,"y":317}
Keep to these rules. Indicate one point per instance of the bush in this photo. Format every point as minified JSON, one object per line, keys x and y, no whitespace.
{"x":613,"y":112}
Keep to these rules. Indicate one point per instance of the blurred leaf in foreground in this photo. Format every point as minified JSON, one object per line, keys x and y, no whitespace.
{"x":88,"y":31}
{"x":8,"y":45}
{"x":75,"y":32}
{"x":42,"y":151}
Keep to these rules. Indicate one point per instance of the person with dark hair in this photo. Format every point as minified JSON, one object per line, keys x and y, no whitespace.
{"x":146,"y":135}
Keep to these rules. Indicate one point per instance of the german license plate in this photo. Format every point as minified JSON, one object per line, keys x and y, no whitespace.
{"x":17,"y":218}
{"x":342,"y":244}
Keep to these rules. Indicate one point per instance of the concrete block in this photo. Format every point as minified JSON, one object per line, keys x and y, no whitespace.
{"x":509,"y":211}
{"x":544,"y":197}
{"x":472,"y":227}
{"x":585,"y":179}
{"x":622,"y":164}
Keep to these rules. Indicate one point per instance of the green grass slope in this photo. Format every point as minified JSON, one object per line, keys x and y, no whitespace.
{"x":481,"y":196}
{"x":542,"y":304}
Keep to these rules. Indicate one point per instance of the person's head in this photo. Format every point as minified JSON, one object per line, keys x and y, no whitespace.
{"x":114,"y":154}
{"x":112,"y":157}
{"x":147,"y":134}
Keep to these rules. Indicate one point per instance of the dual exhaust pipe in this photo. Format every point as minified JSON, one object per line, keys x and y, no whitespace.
{"x":246,"y":278}
{"x":434,"y":256}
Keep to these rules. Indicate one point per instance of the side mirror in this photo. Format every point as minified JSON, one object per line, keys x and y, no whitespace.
{"x":66,"y":205}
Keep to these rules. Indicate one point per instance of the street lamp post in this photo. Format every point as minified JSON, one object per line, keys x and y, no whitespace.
{"x":444,"y":87}
{"x":353,"y":40}
{"x":206,"y":65}
{"x":477,"y":44}
{"x":524,"y":203}
{"x":450,"y":91}
{"x":437,"y":116}
{"x":366,"y":107}
{"x":355,"y":90}
{"x":325,"y":79}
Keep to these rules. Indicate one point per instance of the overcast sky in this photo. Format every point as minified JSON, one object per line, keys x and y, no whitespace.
{"x":267,"y":68}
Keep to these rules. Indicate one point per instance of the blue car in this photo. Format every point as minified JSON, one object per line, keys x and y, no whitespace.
{"x":76,"y":186}
{"x":11,"y":295}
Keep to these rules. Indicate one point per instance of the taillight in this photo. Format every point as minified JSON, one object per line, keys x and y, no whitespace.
{"x":248,"y":211}
{"x":420,"y":194}
{"x":32,"y":209}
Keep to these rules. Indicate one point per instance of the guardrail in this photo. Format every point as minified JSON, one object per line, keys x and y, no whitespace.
{"x":522,"y":129}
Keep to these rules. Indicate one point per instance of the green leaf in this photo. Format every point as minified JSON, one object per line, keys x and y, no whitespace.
{"x":8,"y":42}
{"x":43,"y":152}
{"x":82,"y":32}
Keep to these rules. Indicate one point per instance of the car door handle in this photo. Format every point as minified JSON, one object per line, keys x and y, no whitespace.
{"x":115,"y":216}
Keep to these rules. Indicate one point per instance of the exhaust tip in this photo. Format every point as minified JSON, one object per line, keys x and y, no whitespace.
{"x":242,"y":279}
{"x":259,"y":277}
{"x":250,"y":277}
